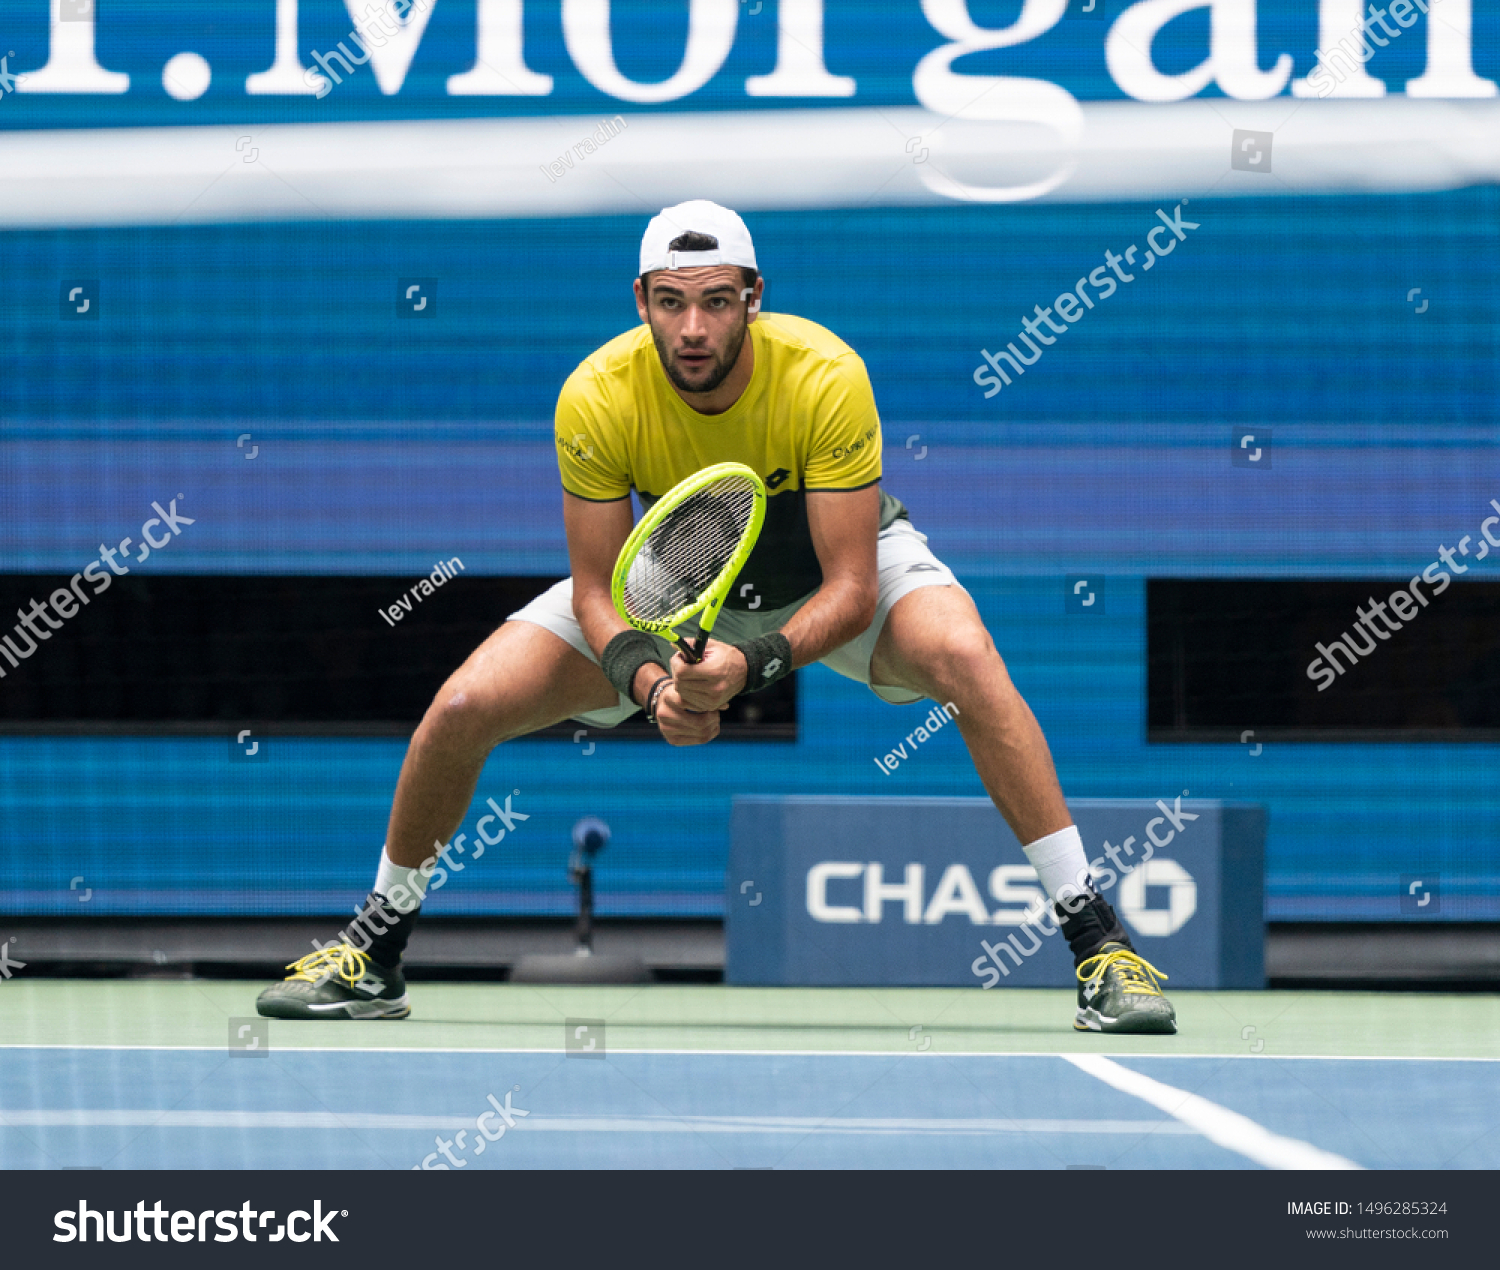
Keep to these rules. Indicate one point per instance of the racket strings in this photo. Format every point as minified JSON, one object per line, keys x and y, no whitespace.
{"x":684,"y":555}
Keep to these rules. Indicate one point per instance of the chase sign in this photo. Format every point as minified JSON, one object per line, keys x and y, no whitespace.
{"x":890,"y":891}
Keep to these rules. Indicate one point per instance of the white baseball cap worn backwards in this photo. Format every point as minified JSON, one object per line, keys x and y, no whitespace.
{"x":697,"y":216}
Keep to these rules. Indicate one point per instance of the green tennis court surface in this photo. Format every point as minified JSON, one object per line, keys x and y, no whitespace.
{"x":180,"y":1074}
{"x":712,"y":1017}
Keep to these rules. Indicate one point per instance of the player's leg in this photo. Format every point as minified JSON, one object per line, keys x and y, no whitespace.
{"x":934,"y":644}
{"x":522,"y":678}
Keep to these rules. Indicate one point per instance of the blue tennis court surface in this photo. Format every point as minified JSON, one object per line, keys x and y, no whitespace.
{"x":180,"y":1074}
{"x":203,"y":1109}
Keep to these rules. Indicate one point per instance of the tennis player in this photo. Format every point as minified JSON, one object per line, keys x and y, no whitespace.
{"x":839,"y":576}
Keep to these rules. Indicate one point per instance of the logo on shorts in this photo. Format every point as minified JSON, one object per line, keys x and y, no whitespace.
{"x":923,"y":568}
{"x":776,"y":478}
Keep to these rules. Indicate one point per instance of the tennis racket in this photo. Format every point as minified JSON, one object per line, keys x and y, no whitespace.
{"x":683,"y":556}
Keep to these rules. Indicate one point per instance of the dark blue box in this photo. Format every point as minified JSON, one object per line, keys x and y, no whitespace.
{"x":936,"y":891}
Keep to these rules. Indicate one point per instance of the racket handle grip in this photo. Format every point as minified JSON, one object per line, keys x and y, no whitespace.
{"x":693,"y":651}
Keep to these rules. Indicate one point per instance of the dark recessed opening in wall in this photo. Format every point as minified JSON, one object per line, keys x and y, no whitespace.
{"x":293,"y":655}
{"x":1231,"y":655}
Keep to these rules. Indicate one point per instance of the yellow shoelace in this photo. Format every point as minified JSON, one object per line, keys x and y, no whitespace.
{"x":343,"y":960}
{"x":1139,"y":976}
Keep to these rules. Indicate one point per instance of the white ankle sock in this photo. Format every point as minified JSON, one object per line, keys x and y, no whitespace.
{"x":1059,"y":860}
{"x":390,"y":876}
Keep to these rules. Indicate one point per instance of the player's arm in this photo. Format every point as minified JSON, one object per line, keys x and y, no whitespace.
{"x":845,"y":528}
{"x":596,"y":531}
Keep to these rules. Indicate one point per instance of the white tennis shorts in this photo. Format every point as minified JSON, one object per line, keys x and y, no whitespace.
{"x":904,"y":563}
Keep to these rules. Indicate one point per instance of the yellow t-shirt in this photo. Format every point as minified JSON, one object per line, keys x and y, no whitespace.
{"x":806,"y":421}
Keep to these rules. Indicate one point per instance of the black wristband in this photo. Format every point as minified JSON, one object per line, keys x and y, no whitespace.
{"x":767,"y":659}
{"x":624,"y":655}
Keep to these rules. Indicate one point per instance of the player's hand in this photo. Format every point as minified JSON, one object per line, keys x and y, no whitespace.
{"x":712,"y":682}
{"x":681,"y":726}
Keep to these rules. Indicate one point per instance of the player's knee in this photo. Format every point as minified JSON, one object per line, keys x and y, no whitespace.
{"x":459,"y":715}
{"x":961,"y":656}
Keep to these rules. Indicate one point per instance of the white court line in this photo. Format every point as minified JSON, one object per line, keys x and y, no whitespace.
{"x":719,"y":1053}
{"x":73,"y":1118}
{"x":1218,"y":1124}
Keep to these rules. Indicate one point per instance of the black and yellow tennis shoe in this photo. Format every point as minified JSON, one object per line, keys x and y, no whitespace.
{"x":339,"y":982}
{"x":1118,"y":992}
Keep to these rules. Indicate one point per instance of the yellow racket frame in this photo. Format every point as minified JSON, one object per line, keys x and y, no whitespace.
{"x":707,"y":604}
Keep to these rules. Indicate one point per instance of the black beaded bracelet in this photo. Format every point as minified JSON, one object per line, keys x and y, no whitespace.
{"x":767,"y":659}
{"x":652,"y":697}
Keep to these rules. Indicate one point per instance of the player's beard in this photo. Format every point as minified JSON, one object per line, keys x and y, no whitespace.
{"x":718,"y":368}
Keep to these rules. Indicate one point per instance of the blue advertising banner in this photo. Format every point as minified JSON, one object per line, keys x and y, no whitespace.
{"x":921,"y":892}
{"x":142,"y":112}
